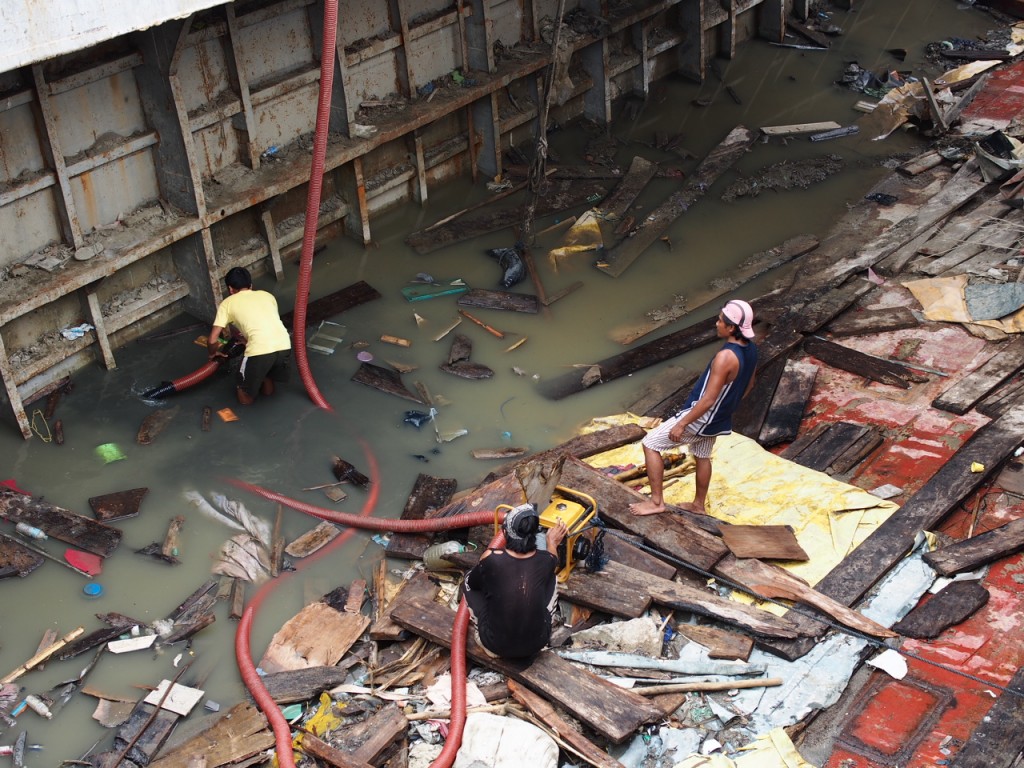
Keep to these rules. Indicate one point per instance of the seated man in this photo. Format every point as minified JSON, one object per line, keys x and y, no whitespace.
{"x":512,"y":592}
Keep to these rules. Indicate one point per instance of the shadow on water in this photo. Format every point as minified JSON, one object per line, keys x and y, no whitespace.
{"x":286,"y":443}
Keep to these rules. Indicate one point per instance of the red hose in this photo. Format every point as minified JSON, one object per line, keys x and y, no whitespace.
{"x":199,"y":374}
{"x":316,"y":178}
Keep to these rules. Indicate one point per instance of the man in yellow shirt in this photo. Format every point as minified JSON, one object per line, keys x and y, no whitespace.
{"x":268,"y":346}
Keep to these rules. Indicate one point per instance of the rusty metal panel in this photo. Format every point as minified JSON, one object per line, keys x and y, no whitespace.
{"x":282,"y":120}
{"x":204,"y":75}
{"x":89,"y":116}
{"x":115,"y":189}
{"x":20,"y":150}
{"x":28,"y":224}
{"x":216,"y":148}
{"x":373,"y":79}
{"x":506,"y":20}
{"x":359,"y":20}
{"x":37,"y":30}
{"x":436,"y":54}
{"x":272,"y":49}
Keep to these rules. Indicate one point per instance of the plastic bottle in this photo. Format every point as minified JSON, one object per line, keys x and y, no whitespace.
{"x":38,"y":706}
{"x":30,"y":531}
{"x":433,"y":558}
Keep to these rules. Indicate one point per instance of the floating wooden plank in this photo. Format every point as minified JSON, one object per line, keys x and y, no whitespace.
{"x":155,"y":423}
{"x":317,"y":636}
{"x":429,"y":494}
{"x":797,"y":129}
{"x":119,"y":505}
{"x":313,"y":540}
{"x":829,"y":446}
{"x":813,"y":35}
{"x":618,"y":259}
{"x":858,"y":363}
{"x":608,"y":590}
{"x":512,"y":302}
{"x":59,"y":523}
{"x":668,"y":532}
{"x":641,"y":171}
{"x":705,"y":602}
{"x":782,"y":423}
{"x":144,"y":733}
{"x":721,"y":643}
{"x":612,"y":712}
{"x":945,"y":490}
{"x":334,"y":304}
{"x":240,"y":734}
{"x":558,"y":197}
{"x":344,"y":472}
{"x":981,"y":550}
{"x":765,"y":542}
{"x":18,"y":558}
{"x":385,"y":380}
{"x":873,"y":321}
{"x":502,"y":454}
{"x":954,"y":603}
{"x":973,"y":387}
{"x":752,"y":267}
{"x":118,"y":625}
{"x":999,"y":738}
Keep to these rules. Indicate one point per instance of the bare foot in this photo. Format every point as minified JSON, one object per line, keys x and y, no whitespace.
{"x":646,"y":508}
{"x":692,"y":507}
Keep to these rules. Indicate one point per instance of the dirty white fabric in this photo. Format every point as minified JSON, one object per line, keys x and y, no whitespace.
{"x":640,"y":636}
{"x":505,"y":742}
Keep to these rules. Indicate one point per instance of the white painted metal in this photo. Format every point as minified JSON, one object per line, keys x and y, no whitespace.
{"x":36,"y":30}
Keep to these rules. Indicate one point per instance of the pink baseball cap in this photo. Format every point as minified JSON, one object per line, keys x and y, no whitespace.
{"x":739,"y":313}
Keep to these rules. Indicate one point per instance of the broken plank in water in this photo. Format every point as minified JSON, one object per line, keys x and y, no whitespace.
{"x":641,"y":171}
{"x":797,"y":129}
{"x":119,"y":505}
{"x":782,"y":423}
{"x":873,"y":321}
{"x":487,"y":299}
{"x":558,"y":197}
{"x":981,"y":550}
{"x":318,"y":635}
{"x":429,"y":494}
{"x":239,"y":734}
{"x":498,"y":453}
{"x":755,"y":266}
{"x":385,"y":380}
{"x":303,"y":684}
{"x":144,"y":733}
{"x":313,"y":540}
{"x":334,"y":304}
{"x":59,"y":523}
{"x":155,"y":423}
{"x":973,"y":387}
{"x":21,"y":559}
{"x":613,"y":712}
{"x":735,"y":145}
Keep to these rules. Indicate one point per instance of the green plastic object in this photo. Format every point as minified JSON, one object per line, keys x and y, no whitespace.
{"x":422,"y":291}
{"x":109,"y":452}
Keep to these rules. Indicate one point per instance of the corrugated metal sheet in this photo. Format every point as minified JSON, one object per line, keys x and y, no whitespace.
{"x":35,"y":30}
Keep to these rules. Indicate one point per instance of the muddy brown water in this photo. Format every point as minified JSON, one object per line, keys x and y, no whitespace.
{"x":285,"y":443}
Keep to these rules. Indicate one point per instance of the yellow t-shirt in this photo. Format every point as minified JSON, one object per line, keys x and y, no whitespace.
{"x":255,"y":314}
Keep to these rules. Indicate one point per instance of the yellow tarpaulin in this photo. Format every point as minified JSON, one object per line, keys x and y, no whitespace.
{"x":942,"y":299}
{"x":752,"y":486}
{"x":584,"y":235}
{"x":771,"y":750}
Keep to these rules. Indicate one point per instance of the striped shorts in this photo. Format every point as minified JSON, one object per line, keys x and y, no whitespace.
{"x":658,"y":440}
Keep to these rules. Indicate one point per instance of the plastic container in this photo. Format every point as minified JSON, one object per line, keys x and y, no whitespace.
{"x":30,"y":531}
{"x":38,"y":706}
{"x":433,"y":558}
{"x":92,"y":590}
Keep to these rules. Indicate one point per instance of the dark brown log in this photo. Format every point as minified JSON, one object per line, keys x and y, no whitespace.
{"x":334,"y":304}
{"x":385,"y":380}
{"x":59,"y":523}
{"x":582,"y":446}
{"x":467,"y":370}
{"x":119,"y":505}
{"x":832,"y":443}
{"x":782,"y":424}
{"x":154,"y":424}
{"x":346,"y":473}
{"x":981,"y":550}
{"x":512,"y":302}
{"x":303,"y":684}
{"x":857,"y":363}
{"x":873,"y":321}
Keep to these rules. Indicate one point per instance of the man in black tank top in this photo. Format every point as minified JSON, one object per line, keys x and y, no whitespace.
{"x":512,"y":592}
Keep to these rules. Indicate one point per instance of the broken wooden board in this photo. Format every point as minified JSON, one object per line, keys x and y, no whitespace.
{"x":420,"y":585}
{"x":981,"y":550}
{"x":317,"y":636}
{"x":387,"y":381}
{"x":962,"y":237}
{"x":798,"y":129}
{"x":512,"y":302}
{"x":782,"y":423}
{"x":334,"y":304}
{"x":998,"y":402}
{"x":822,"y":309}
{"x":607,"y":590}
{"x":748,"y":420}
{"x":973,"y":387}
{"x":617,"y":548}
{"x":954,"y":603}
{"x":315,"y":747}
{"x":59,"y":523}
{"x":767,"y":580}
{"x":613,"y":712}
{"x":945,"y":490}
{"x":641,"y":171}
{"x":989,"y":246}
{"x":999,"y":738}
{"x":860,"y":364}
{"x":721,"y":643}
{"x":118,"y":625}
{"x":119,"y":505}
{"x":314,"y":539}
{"x":618,"y":259}
{"x":865,"y":322}
{"x":146,"y":730}
{"x":558,"y":197}
{"x":668,"y":532}
{"x":583,"y":446}
{"x":752,"y":267}
{"x":625,"y":363}
{"x":19,"y":559}
{"x":155,"y":423}
{"x":765,"y":542}
{"x":239,"y":734}
{"x":429,"y":494}
{"x":856,"y":451}
{"x":829,"y":445}
{"x":365,"y":741}
{"x":705,"y":602}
